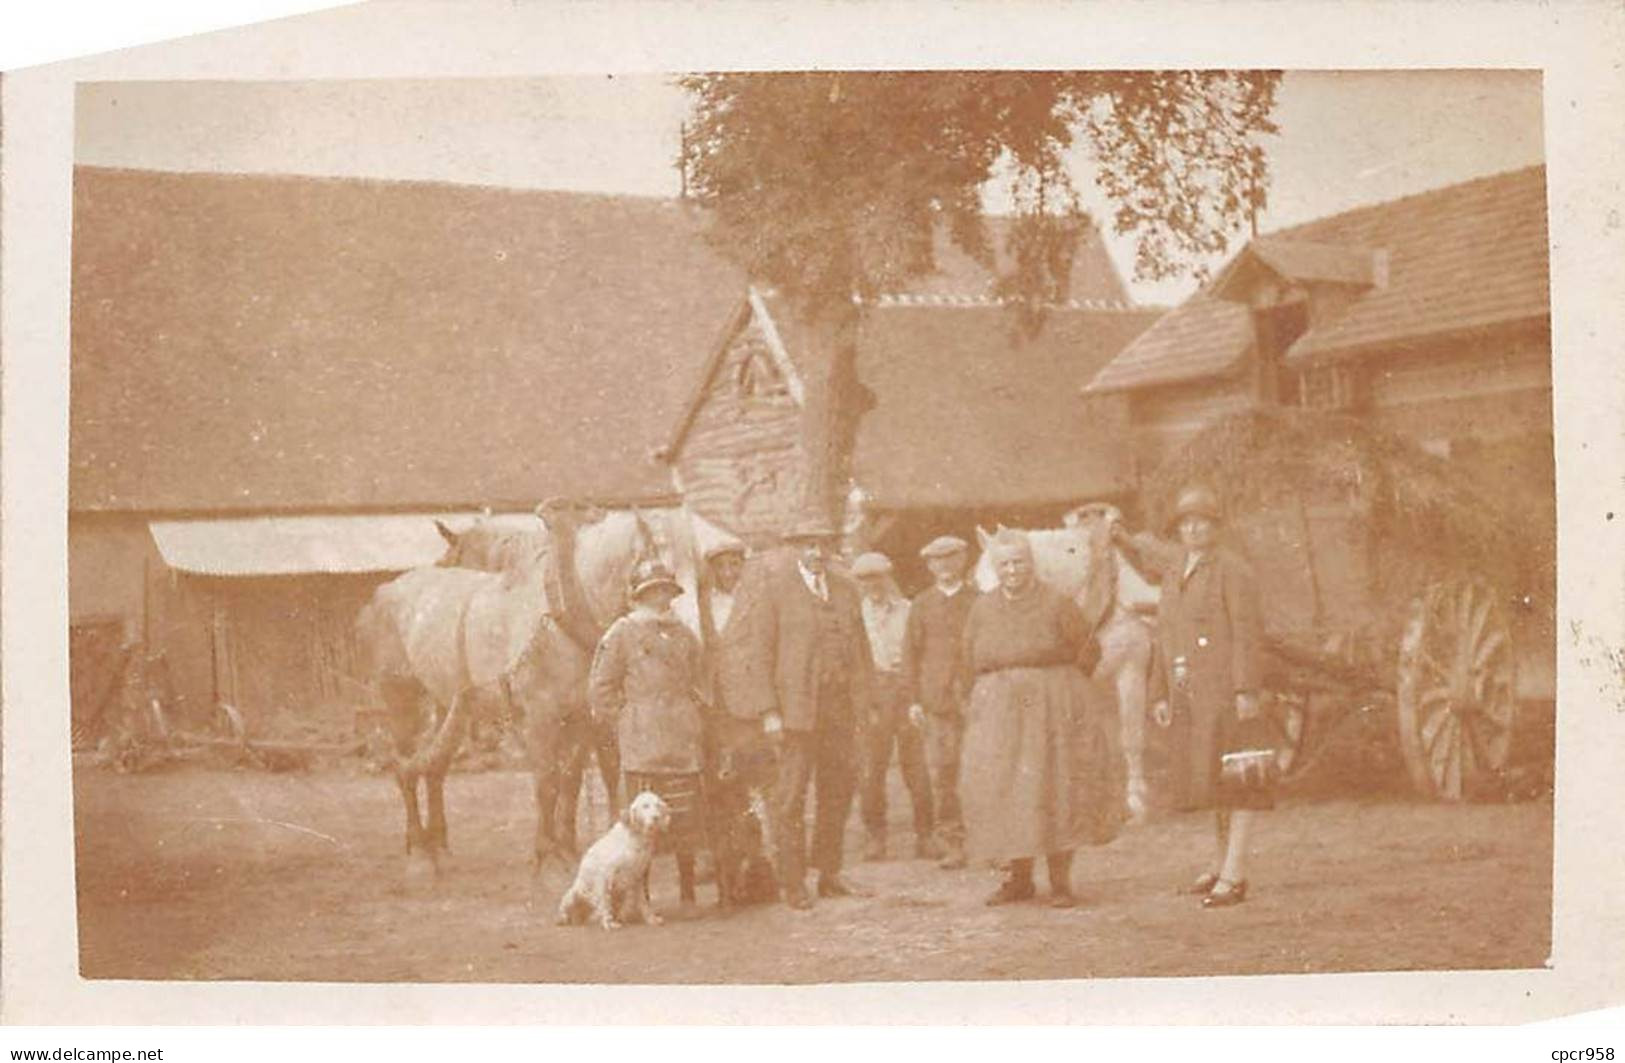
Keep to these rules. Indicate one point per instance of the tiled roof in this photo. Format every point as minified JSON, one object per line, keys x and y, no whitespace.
{"x":1305,"y":261}
{"x":1094,"y":279}
{"x":272,"y":343}
{"x":1467,"y":256}
{"x":1203,"y":337}
{"x":1463,"y":257}
{"x":965,"y":411}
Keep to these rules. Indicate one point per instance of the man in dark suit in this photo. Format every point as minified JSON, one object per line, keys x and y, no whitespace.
{"x":797,"y":659}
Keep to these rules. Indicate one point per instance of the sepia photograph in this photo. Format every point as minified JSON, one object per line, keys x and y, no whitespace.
{"x":812,"y":526}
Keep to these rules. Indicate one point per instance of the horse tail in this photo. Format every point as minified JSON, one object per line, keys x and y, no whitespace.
{"x":446,"y":737}
{"x":380,"y":649}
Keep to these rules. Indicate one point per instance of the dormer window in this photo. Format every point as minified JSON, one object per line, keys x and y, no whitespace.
{"x":1276,"y":327}
{"x":1289,"y":285}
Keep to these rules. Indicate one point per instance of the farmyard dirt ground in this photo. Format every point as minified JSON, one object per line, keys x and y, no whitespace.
{"x":198,"y":873}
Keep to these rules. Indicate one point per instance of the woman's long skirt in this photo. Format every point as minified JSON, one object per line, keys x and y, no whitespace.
{"x":1036,"y":766}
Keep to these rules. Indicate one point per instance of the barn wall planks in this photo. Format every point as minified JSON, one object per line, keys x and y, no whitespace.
{"x":741,"y":465}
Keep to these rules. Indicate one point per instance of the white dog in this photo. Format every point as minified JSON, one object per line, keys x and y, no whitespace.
{"x":609,"y":884}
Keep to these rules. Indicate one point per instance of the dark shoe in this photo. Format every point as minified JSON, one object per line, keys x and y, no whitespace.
{"x":835,"y":886}
{"x":1202,"y":885}
{"x":955,"y":858}
{"x":875,"y":848}
{"x":796,"y":897}
{"x":927,"y":847}
{"x":1012,"y":891}
{"x":1226,"y":894}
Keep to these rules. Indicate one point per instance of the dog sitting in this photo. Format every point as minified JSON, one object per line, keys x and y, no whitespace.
{"x":611,"y":885}
{"x":741,"y":840}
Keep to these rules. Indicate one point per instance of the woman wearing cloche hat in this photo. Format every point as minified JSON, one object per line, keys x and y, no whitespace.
{"x":643,"y":681}
{"x":1205,"y":687}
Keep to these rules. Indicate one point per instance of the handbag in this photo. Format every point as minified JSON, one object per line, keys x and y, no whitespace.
{"x":1252,"y":762}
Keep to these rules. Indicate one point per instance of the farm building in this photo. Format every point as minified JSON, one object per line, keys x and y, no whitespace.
{"x":277,"y":381}
{"x":968,"y":421}
{"x":1428,"y":318}
{"x":1428,"y":314}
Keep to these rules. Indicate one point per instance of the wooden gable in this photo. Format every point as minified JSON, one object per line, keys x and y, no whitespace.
{"x":739,"y":462}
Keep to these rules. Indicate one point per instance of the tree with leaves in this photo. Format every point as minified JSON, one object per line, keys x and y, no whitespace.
{"x":834,"y":188}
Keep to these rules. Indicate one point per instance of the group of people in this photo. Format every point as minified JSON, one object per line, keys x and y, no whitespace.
{"x":810,"y":682}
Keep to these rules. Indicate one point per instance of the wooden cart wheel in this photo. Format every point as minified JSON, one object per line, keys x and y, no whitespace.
{"x":1456,"y":690}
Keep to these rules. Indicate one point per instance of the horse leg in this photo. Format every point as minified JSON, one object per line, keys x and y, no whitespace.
{"x":434,"y":783}
{"x":544,"y":740}
{"x":545,"y":780}
{"x":1131,"y":707}
{"x":402,"y":700}
{"x":575,"y":747}
{"x":407,"y":780}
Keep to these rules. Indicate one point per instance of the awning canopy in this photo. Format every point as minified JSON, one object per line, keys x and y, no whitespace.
{"x":286,"y":546}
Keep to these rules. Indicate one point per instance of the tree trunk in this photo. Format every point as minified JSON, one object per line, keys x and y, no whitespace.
{"x":834,"y":402}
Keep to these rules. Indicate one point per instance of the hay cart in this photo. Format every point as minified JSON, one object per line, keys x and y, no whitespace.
{"x":1397,"y":591}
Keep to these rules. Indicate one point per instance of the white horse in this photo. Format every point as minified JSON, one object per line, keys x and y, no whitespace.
{"x":1080,"y":560}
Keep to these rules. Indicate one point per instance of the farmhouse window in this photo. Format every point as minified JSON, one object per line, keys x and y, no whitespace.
{"x":1327,"y":387}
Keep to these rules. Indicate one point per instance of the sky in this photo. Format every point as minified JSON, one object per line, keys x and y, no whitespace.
{"x":1346,"y":138}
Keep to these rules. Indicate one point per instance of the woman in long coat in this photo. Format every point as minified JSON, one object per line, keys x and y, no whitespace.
{"x":643,"y":682}
{"x":1208,"y":665}
{"x":1028,"y":649}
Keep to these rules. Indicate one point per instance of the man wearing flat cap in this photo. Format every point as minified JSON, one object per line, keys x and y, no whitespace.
{"x":932,"y":674}
{"x":797,"y":660}
{"x":885,"y":618}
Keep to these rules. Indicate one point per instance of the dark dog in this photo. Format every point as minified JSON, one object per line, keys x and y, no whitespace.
{"x":740,"y":831}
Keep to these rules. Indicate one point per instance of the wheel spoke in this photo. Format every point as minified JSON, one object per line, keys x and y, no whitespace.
{"x":1479,"y":620}
{"x":1431,"y":728}
{"x":1488,"y":650}
{"x":1435,"y":738}
{"x":1433,"y":697}
{"x":1440,"y":751}
{"x":1452,"y":778}
{"x":1462,"y":620}
{"x":1427,"y":659}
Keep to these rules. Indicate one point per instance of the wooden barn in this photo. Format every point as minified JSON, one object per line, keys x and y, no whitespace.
{"x":278,"y":381}
{"x":1428,"y":314}
{"x":1427,"y":317}
{"x":970,"y":421}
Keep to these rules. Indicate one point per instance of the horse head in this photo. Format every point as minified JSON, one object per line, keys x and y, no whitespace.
{"x":563,"y":515}
{"x":1092,"y":514}
{"x":608,"y":549}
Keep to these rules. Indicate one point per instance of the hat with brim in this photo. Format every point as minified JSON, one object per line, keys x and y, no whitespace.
{"x":653,"y":576}
{"x":724,"y":548}
{"x":1197,"y":502}
{"x":945,"y":546}
{"x":810,"y":529}
{"x":871,"y":564}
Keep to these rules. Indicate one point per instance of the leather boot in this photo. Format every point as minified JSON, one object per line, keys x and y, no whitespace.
{"x":1017,"y":884}
{"x":1060,"y":880}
